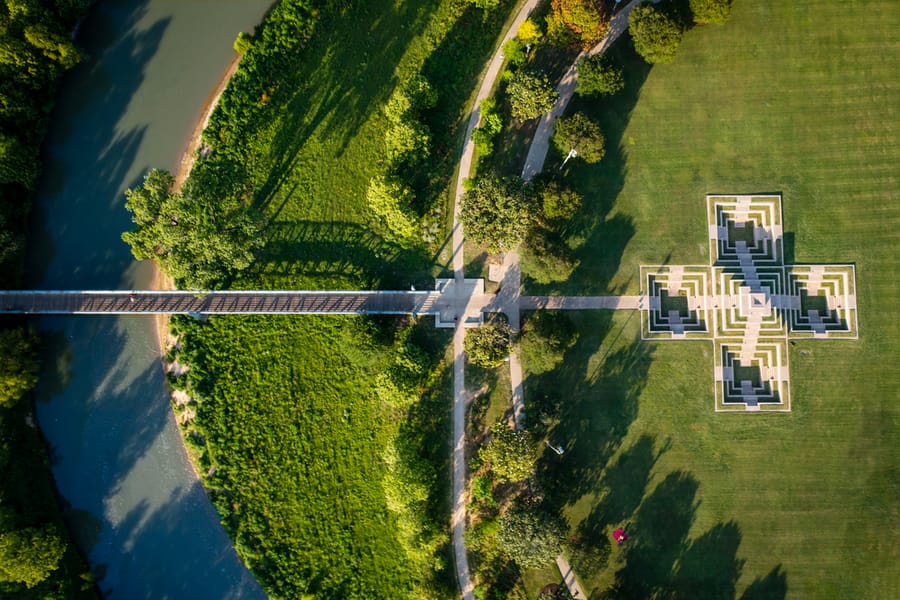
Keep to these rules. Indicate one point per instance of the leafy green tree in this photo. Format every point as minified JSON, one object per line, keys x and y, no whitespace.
{"x":559,"y":202}
{"x":546,"y":257}
{"x":18,"y":162}
{"x":514,"y":52}
{"x":488,"y":346}
{"x":529,"y":32}
{"x":597,"y":76}
{"x":545,"y":338}
{"x":18,"y":364}
{"x":656,"y":36}
{"x":57,"y":48}
{"x":711,"y":11}
{"x":530,"y":95}
{"x":576,"y":21}
{"x":530,"y":535}
{"x":511,"y":453}
{"x":581,"y":134}
{"x":242,"y":42}
{"x":199,"y":243}
{"x":498,"y":211}
{"x":491,"y":124}
{"x":29,"y":555}
{"x":485,"y":4}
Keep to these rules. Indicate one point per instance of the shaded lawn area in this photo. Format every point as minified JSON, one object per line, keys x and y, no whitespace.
{"x":796,"y":98}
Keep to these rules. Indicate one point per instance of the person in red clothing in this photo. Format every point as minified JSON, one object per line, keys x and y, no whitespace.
{"x":619,"y":535}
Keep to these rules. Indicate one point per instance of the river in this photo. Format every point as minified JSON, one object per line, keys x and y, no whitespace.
{"x":132,"y":502}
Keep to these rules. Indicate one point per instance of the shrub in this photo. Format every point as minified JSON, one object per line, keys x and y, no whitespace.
{"x":514,"y":52}
{"x":581,"y":134}
{"x":558,"y":202}
{"x":498,"y":211}
{"x":547,"y":258}
{"x":530,"y":95}
{"x":511,"y":453}
{"x":390,"y":201}
{"x":242,"y":42}
{"x":656,"y":36}
{"x":597,"y":76}
{"x":488,"y":346}
{"x":711,"y":11}
{"x":531,"y":535}
{"x":545,"y":338}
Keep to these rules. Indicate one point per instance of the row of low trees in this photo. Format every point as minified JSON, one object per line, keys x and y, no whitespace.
{"x":657,"y":29}
{"x":36,"y":559}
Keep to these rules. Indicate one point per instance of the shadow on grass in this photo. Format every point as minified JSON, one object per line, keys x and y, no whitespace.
{"x":338,"y":253}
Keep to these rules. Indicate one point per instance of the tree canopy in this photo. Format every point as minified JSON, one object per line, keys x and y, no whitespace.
{"x":559,"y":203}
{"x":530,"y":534}
{"x":498,"y":211}
{"x":530,"y":95}
{"x":545,"y":338}
{"x":511,"y":453}
{"x":29,"y":555}
{"x":597,"y":76}
{"x":548,"y":257}
{"x":18,"y":364}
{"x":581,"y":134}
{"x":199,"y":243}
{"x":576,"y":21}
{"x":488,"y":346}
{"x":656,"y":35}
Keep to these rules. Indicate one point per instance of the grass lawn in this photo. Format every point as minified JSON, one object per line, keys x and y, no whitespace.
{"x":308,"y":455}
{"x":799,"y":98}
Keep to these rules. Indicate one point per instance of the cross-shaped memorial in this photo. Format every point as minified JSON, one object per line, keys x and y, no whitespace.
{"x":748,"y":302}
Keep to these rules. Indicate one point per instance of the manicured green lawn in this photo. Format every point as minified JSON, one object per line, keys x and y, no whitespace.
{"x":799,"y":98}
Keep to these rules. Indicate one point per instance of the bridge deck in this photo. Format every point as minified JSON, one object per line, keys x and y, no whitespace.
{"x":287,"y":302}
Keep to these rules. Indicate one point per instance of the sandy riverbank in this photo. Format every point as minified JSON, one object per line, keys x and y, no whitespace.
{"x":161,"y":281}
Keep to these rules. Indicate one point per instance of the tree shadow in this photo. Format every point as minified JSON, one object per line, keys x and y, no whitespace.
{"x":338,"y":254}
{"x":771,"y":587}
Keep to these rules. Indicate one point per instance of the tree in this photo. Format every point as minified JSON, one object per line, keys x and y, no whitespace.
{"x":29,"y":555}
{"x":488,"y":346}
{"x":529,"y":32}
{"x":545,"y":338}
{"x":711,"y":11}
{"x":485,"y":4}
{"x":547,"y":258}
{"x":597,"y":76}
{"x":511,"y":453}
{"x":242,"y":42}
{"x":656,"y":36}
{"x":576,"y":21}
{"x":18,"y":365}
{"x":498,"y":211}
{"x":530,"y":95}
{"x":18,"y":162}
{"x":581,"y":134}
{"x":199,"y":242}
{"x":491,"y":124}
{"x":530,"y":535}
{"x":57,"y":48}
{"x":559,"y":202}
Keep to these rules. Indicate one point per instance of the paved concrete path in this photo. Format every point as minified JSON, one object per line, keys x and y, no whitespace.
{"x":458,"y":519}
{"x":569,"y":577}
{"x":537,"y":153}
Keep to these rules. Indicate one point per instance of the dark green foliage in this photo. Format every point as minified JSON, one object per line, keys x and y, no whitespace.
{"x":29,"y":555}
{"x":199,"y":242}
{"x":36,"y":560}
{"x":485,"y":4}
{"x":530,"y":95}
{"x":491,"y":124}
{"x":482,"y":490}
{"x":656,"y":35}
{"x":18,"y":364}
{"x":711,"y":11}
{"x":547,"y":256}
{"x":597,"y":76}
{"x":581,"y":134}
{"x":498,"y":211}
{"x":544,"y":340}
{"x":530,"y":534}
{"x":488,"y":345}
{"x":511,"y":453}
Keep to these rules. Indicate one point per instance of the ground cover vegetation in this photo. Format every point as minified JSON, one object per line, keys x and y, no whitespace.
{"x":37,"y":559}
{"x":756,"y":506}
{"x":323,"y":437}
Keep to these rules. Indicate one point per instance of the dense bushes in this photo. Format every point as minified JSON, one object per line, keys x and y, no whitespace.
{"x":656,"y":34}
{"x":36,"y":559}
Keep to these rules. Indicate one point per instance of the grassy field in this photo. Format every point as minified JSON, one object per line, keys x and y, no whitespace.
{"x":327,"y":485}
{"x":789,"y":97}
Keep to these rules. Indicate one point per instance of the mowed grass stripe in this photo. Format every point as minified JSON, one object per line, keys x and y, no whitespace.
{"x":797,"y":98}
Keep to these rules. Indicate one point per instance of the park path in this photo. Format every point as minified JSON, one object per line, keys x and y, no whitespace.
{"x":458,"y":517}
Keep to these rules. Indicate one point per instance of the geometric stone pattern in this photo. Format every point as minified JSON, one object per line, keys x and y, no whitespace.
{"x":748,"y":302}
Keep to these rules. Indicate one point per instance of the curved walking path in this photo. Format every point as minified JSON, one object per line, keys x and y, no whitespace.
{"x":458,"y":516}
